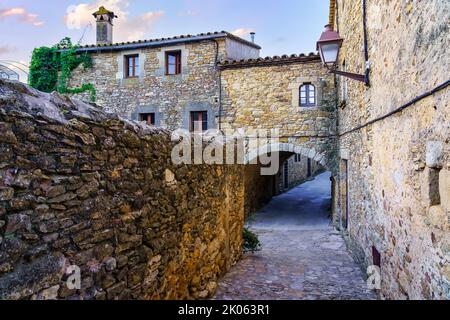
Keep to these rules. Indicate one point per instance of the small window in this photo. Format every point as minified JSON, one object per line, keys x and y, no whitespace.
{"x":199,"y":121}
{"x":173,"y":62}
{"x":149,"y":118}
{"x":307,"y":95}
{"x":376,"y":256}
{"x":132,"y":66}
{"x":298,"y":158}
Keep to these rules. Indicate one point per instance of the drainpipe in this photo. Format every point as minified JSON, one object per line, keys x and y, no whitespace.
{"x":366,"y":49}
{"x":220,"y":85}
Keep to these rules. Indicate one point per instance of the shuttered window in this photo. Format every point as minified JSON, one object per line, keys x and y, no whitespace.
{"x":173,"y":62}
{"x":131,"y":66}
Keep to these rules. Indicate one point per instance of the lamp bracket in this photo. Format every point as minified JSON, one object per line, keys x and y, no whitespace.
{"x":354,"y":76}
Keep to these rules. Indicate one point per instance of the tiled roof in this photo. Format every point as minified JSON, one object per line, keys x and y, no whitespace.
{"x":167,"y":41}
{"x":276,"y":60}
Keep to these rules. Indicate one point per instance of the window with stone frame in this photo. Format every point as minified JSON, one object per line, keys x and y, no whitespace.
{"x":307,"y":95}
{"x":149,"y":118}
{"x":132,"y":66}
{"x":199,"y":121}
{"x":297,"y":158}
{"x":173,"y":62}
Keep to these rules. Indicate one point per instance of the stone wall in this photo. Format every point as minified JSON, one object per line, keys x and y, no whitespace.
{"x":399,"y":166}
{"x":259,"y":189}
{"x":82,"y":187}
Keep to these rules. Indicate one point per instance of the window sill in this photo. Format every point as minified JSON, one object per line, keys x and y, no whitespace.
{"x":310,"y":108}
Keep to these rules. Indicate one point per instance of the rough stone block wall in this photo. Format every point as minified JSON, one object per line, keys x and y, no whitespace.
{"x":82,"y":187}
{"x":259,"y":189}
{"x":398,"y":167}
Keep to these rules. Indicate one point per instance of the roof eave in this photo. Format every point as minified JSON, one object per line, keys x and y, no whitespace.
{"x":270,"y":61}
{"x":166,"y":42}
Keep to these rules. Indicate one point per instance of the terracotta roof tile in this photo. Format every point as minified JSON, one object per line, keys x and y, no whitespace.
{"x":294,"y":58}
{"x":222,"y":34}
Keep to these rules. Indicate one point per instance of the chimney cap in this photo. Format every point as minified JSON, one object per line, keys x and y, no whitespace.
{"x":102,"y":10}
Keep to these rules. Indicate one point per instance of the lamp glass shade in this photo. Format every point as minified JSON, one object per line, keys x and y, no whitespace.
{"x":329,"y":53}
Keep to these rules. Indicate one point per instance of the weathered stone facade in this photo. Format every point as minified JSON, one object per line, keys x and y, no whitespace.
{"x":398,"y":166}
{"x":82,"y":187}
{"x":265,"y":94}
{"x":170,"y":97}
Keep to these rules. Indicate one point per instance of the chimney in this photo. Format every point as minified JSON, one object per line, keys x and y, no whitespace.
{"x":104,"y":19}
{"x":252,"y":34}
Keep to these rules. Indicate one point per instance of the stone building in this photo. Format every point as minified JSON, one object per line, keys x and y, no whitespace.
{"x":214,"y":81}
{"x":170,"y":83}
{"x":393,"y":200}
{"x":291,"y":94}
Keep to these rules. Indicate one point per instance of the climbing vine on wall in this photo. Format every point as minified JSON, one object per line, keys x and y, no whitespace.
{"x":51,"y":68}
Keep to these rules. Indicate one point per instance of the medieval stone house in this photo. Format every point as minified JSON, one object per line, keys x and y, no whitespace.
{"x":171,"y":83}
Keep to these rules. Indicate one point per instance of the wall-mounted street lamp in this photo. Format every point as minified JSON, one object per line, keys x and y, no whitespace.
{"x":328,"y":46}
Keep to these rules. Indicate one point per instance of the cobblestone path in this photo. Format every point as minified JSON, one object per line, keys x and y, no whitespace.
{"x":302,"y":256}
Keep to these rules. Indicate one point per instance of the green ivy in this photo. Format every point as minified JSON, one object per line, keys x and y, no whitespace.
{"x":51,"y":68}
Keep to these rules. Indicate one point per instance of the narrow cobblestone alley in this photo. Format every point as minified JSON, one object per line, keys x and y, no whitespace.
{"x":302,"y":256}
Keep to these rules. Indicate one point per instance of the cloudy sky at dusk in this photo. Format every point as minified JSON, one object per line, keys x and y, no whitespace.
{"x":281,"y":26}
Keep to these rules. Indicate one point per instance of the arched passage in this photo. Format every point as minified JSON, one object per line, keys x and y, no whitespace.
{"x":287,"y":150}
{"x":262,"y":185}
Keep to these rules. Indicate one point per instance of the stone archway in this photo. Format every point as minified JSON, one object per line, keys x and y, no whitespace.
{"x":260,"y":188}
{"x":321,"y":156}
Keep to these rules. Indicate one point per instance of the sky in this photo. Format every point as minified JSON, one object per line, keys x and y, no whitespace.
{"x":281,"y":26}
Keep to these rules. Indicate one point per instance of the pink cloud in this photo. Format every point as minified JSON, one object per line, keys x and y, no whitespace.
{"x":7,"y":49}
{"x":22,"y":15}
